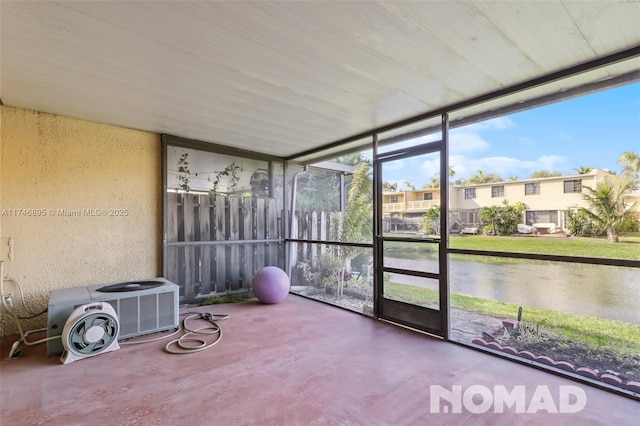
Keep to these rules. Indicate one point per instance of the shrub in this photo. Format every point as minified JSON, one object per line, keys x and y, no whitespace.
{"x":431,"y":221}
{"x":628,"y":224}
{"x":502,"y":220}
{"x":578,"y":224}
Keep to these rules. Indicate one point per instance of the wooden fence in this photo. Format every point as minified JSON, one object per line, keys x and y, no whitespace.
{"x":213,"y":242}
{"x":217,"y":243}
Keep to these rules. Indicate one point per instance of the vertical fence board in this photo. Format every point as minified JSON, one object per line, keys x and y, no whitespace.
{"x":171,"y":254}
{"x":221,"y":273}
{"x":189,"y":253}
{"x":181,"y":266}
{"x":260,"y":232}
{"x":233,"y":250}
{"x":280,"y":227}
{"x":293,"y":249}
{"x":202,"y":269}
{"x":246,"y":254}
{"x":304,"y":234}
{"x":205,"y":251}
{"x":172,"y":217}
{"x":314,"y":236}
{"x":272,"y":232}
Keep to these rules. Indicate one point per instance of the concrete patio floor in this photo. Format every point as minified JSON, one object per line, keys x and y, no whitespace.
{"x":299,"y":362}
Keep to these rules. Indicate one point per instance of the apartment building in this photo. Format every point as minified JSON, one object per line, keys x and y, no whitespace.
{"x":547,"y":200}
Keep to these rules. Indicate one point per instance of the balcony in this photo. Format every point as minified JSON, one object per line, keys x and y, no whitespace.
{"x":393,"y":207}
{"x":421,"y":205}
{"x":409,"y":206}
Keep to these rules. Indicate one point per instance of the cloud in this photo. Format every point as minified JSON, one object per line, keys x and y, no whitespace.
{"x":393,"y":165}
{"x":504,"y":166}
{"x":526,"y":141}
{"x":428,"y":169}
{"x":564,"y":136}
{"x":497,"y":123}
{"x":467,"y":142}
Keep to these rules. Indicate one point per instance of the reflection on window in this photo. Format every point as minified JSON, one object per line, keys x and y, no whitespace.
{"x":497,"y":191}
{"x":428,"y":196}
{"x":542,"y":216}
{"x":393,"y":199}
{"x":573,"y":185}
{"x":532,"y":188}
{"x":469,"y":193}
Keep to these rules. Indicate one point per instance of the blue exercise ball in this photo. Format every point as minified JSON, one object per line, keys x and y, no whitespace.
{"x":271,"y":285}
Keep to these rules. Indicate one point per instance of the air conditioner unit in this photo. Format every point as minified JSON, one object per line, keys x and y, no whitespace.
{"x":142,"y":307}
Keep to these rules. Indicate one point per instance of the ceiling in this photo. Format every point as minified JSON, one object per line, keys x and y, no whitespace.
{"x":287,"y":77}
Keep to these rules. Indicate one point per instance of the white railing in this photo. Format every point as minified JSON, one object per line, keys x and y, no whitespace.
{"x":421,"y":205}
{"x":393,"y":207}
{"x":409,"y":206}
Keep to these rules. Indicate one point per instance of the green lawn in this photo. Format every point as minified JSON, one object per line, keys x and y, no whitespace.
{"x":621,"y":336}
{"x":627,"y":248}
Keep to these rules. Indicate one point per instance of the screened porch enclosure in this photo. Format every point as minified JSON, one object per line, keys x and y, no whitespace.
{"x":408,"y":252}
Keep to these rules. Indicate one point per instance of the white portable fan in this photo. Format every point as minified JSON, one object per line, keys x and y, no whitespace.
{"x":90,"y":330}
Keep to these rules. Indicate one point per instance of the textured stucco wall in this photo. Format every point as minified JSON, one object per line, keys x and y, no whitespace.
{"x":51,"y":164}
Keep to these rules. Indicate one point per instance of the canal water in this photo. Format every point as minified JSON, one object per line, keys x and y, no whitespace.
{"x":603,"y":291}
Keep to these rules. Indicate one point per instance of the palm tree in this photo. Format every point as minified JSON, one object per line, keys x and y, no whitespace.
{"x":631,"y":162}
{"x":544,"y":174}
{"x":583,"y":170}
{"x":631,"y":169}
{"x":607,"y":209}
{"x":481,"y":176}
{"x":490,"y":215}
{"x":390,"y":187}
{"x":434,"y":182}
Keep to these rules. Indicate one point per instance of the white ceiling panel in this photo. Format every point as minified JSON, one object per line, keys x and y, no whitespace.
{"x":286,"y":77}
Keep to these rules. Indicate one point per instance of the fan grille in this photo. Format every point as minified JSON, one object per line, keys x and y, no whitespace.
{"x":92,"y":334}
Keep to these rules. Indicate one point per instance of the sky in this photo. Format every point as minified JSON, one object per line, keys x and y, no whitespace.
{"x":590,"y":131}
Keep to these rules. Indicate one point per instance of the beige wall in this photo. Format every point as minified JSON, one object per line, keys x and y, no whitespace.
{"x":551,"y":197}
{"x":52,"y":163}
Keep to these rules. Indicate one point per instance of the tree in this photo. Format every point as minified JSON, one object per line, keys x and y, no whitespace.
{"x":330,"y":268}
{"x":318,"y":191}
{"x":434,"y":182}
{"x":354,"y":159}
{"x":481,"y":176}
{"x":410,"y":186}
{"x":183,"y":172}
{"x":631,"y":167}
{"x":490,"y":215}
{"x":390,"y":187}
{"x":583,"y":170}
{"x":544,"y":174}
{"x":606,"y":207}
{"x":431,"y":221}
{"x":503,"y":219}
{"x":631,"y":162}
